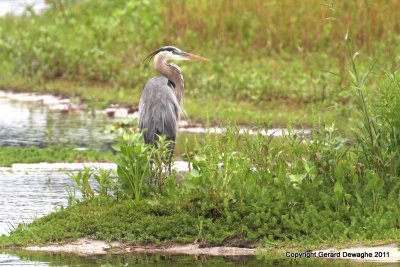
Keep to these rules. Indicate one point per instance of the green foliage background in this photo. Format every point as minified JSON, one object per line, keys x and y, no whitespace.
{"x":269,"y":60}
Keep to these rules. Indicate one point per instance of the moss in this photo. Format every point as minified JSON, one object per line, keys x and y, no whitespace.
{"x":107,"y":220}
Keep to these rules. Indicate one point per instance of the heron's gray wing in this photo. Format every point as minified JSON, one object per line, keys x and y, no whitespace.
{"x":158,"y":110}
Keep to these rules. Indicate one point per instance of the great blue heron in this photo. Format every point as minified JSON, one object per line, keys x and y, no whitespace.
{"x":161,"y":100}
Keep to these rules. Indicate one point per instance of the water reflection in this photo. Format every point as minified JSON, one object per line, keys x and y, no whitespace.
{"x":27,"y":258}
{"x":29,"y":124}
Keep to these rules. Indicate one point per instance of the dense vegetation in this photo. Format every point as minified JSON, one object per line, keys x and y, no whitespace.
{"x":247,"y":190}
{"x":274,"y":61}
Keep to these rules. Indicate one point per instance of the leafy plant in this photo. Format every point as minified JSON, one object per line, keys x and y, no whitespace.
{"x":161,"y":160}
{"x":377,"y":134}
{"x":104,"y":180}
{"x":81,"y":182}
{"x":133,"y":165}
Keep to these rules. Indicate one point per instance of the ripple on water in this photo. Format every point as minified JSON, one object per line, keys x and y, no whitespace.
{"x":25,"y":196}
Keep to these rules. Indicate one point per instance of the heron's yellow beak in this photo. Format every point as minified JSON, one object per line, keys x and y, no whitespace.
{"x":188,"y":56}
{"x":195,"y":57}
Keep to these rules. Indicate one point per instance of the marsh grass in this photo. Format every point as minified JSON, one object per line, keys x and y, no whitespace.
{"x":388,"y":113}
{"x":271,"y":60}
{"x":280,"y":25}
{"x":133,"y":165}
{"x":10,"y":155}
{"x":377,"y":132}
{"x":104,"y":179}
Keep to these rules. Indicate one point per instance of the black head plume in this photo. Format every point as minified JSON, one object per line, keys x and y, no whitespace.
{"x":171,"y":49}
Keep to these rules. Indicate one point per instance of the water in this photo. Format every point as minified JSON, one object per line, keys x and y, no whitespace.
{"x":32,"y":124}
{"x":30,"y":194}
{"x":25,"y":258}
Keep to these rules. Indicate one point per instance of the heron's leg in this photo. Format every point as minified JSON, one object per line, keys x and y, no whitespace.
{"x":170,"y":168}
{"x":170,"y":156}
{"x":151,"y":178}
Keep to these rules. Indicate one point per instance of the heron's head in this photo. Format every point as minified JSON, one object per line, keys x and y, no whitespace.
{"x":173,"y":53}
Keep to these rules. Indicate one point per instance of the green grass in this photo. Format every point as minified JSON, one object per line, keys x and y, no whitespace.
{"x":111,"y":221}
{"x":263,"y":66}
{"x":246,"y":190}
{"x":156,"y":223}
{"x":10,"y":155}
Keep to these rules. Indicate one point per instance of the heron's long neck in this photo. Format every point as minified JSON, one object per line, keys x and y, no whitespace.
{"x":172,"y":73}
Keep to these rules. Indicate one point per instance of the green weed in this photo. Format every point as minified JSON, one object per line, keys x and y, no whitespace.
{"x":81,"y":182}
{"x":10,"y":155}
{"x":104,"y":179}
{"x":133,"y":165}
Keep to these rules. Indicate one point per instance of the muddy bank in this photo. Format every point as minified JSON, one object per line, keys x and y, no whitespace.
{"x":86,"y":246}
{"x":382,"y":254}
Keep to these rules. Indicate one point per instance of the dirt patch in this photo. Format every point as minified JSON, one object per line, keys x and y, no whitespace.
{"x":195,"y":249}
{"x":86,"y":246}
{"x":81,"y":246}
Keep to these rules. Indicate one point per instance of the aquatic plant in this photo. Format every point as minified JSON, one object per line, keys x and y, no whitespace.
{"x":105,"y":181}
{"x":133,"y":164}
{"x":81,"y":182}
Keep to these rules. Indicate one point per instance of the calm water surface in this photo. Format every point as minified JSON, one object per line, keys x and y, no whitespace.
{"x":25,"y":123}
{"x":26,"y":258}
{"x":32,"y":124}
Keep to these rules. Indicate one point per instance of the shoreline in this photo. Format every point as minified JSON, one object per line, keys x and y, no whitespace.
{"x":87,"y":247}
{"x":178,"y":165}
{"x":389,"y":253}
